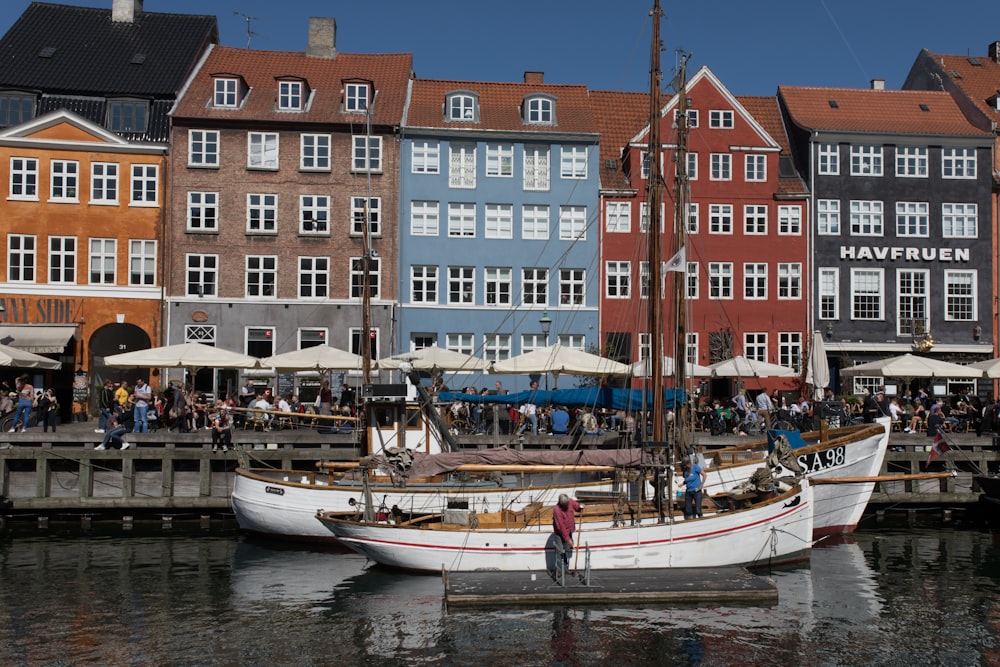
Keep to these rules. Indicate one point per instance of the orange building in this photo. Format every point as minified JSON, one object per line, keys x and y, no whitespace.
{"x":82,"y":223}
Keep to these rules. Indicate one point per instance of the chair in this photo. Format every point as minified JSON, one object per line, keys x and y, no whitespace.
{"x":257,"y":419}
{"x":285,"y":421}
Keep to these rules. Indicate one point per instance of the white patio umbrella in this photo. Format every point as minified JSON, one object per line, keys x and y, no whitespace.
{"x":434,"y":360}
{"x":315,"y":358}
{"x":640,"y":369}
{"x":184,"y":355}
{"x":991,"y":367}
{"x":818,"y":368}
{"x":14,"y":358}
{"x":913,"y":366}
{"x":740,"y":366}
{"x":558,"y":359}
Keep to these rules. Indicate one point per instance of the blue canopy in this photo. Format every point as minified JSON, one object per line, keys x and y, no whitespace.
{"x":597,"y":397}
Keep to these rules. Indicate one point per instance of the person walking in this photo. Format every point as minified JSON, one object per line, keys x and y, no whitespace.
{"x":105,"y":405}
{"x":694,"y":485}
{"x":143,"y":395}
{"x":563,"y":524}
{"x":764,"y":408}
{"x":25,"y":402}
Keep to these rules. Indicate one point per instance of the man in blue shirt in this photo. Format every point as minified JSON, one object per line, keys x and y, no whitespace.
{"x":560,"y":421}
{"x":694,"y":483}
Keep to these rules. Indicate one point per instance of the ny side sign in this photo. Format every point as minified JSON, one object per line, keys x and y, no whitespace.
{"x":40,"y":311}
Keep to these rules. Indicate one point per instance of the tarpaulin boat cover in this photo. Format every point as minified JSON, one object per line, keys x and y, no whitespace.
{"x":595,"y":397}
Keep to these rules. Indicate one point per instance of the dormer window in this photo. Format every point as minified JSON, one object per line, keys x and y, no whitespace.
{"x":539,"y":110}
{"x":357,"y":95}
{"x":15,"y":108}
{"x":127,"y":116}
{"x":291,"y":95}
{"x":463,"y":107}
{"x":227,"y":93}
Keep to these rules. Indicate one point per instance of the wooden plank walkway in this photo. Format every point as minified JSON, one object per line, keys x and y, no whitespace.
{"x":675,"y":586}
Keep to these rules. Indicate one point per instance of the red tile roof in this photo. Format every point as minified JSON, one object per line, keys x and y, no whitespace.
{"x":765,"y":111}
{"x":620,"y":116}
{"x":259,"y":69}
{"x":979,"y":82}
{"x":865,"y":110}
{"x":500,"y":106}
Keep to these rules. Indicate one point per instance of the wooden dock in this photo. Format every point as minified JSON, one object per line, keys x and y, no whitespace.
{"x":732,"y":585}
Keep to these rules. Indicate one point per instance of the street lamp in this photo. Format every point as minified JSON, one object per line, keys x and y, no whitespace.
{"x":546,"y":323}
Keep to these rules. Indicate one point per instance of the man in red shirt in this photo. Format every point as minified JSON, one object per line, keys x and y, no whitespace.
{"x":563,"y":523}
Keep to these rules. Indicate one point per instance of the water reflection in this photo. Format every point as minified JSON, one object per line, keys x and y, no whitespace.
{"x":909,"y":595}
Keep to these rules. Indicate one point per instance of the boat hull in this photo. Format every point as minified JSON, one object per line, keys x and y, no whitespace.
{"x":284,"y":503}
{"x":838,"y":507}
{"x":770,"y":533}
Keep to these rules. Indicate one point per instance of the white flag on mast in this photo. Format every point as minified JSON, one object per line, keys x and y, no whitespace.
{"x":678,"y":262}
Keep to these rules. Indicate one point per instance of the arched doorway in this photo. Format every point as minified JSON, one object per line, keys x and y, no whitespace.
{"x":112,"y":339}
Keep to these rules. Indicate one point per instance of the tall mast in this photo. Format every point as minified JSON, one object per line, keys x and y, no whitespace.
{"x":367,"y":258}
{"x":654,"y":189}
{"x":681,"y":196}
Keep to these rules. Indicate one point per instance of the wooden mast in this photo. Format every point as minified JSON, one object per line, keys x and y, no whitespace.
{"x":681,"y":195}
{"x":654,"y":191}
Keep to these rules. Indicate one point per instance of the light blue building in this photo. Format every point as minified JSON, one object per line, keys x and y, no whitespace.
{"x":499,"y":220}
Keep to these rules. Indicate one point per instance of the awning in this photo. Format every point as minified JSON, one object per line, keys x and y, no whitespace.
{"x":38,"y":338}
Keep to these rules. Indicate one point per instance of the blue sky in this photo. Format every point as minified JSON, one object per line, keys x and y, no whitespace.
{"x":752,"y":46}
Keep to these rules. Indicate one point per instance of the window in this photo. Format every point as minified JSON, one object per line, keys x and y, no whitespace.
{"x":371,"y":348}
{"x":691,"y":349}
{"x":496,"y":347}
{"x":573,"y":162}
{"x":532,"y":341}
{"x":755,"y":346}
{"x":692,"y":117}
{"x":911,"y":162}
{"x":535,"y":222}
{"x":312,"y":337}
{"x":960,"y":221}
{"x":21,"y":258}
{"x":314,"y":214}
{"x":457,"y":342}
{"x":960,"y":302}
{"x":540,"y":111}
{"x":127,"y":116}
{"x":144,"y":184}
{"x":912,"y":218}
{"x":423,"y":284}
{"x":103,"y":183}
{"x":356,"y":96}
{"x":756,"y":167}
{"x":644,"y":280}
{"x":866,"y":160}
{"x":829,"y":293}
{"x":15,"y":108}
{"x":789,"y":220}
{"x":572,"y":287}
{"x":829,"y":160}
{"x":262,"y":272}
{"x":461,"y":220}
{"x":644,"y":165}
{"x":692,"y":280}
{"x":500,"y":160}
{"x":262,"y":214}
{"x":755,"y":281}
{"x":692,"y":166}
{"x":755,"y":220}
{"x":367,"y":154}
{"x":536,"y":169}
{"x":23,"y":178}
{"x":315,"y":152}
{"x":618,"y":216}
{"x":141,"y":262}
{"x":958,"y":163}
{"x":789,"y":280}
{"x":202,"y":274}
{"x":912,"y":294}
{"x":262,"y":150}
{"x":866,"y":294}
{"x":499,"y":221}
{"x":462,"y":107}
{"x":828,"y":217}
{"x":203,"y":212}
{"x":535,"y":287}
{"x":64,"y":180}
{"x":572,"y":223}
{"x":720,"y":219}
{"x":644,"y":217}
{"x":866,"y":218}
{"x":374,"y":216}
{"x":424,"y":218}
{"x":260,"y":341}
{"x":618,"y":283}
{"x":497,"y":285}
{"x":462,"y":166}
{"x":200,"y":333}
{"x":722,"y":167}
{"x":62,"y":259}
{"x":425,"y":157}
{"x":693,"y":218}
{"x":721,"y":119}
{"x":720,"y":280}
{"x":289,"y":95}
{"x":314,"y":277}
{"x":790,"y":349}
{"x":226,"y":95}
{"x":103,"y":261}
{"x":461,"y":285}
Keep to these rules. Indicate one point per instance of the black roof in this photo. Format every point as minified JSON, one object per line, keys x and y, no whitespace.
{"x":65,"y":50}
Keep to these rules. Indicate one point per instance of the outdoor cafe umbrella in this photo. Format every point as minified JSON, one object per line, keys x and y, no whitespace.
{"x":14,"y":358}
{"x":316,"y":358}
{"x":913,"y":366}
{"x":818,"y":368}
{"x":640,"y":369}
{"x":184,"y":355}
{"x":558,"y":359}
{"x":740,"y":366}
{"x":991,"y":367}
{"x":434,"y":360}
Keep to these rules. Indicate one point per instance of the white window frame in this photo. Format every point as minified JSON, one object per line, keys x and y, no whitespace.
{"x":499,"y":160}
{"x":789,"y":281}
{"x":291,"y":96}
{"x":104,"y":183}
{"x":573,"y":162}
{"x":461,"y":220}
{"x":540,"y":110}
{"x":535,"y":286}
{"x":789,"y":220}
{"x":142,"y":254}
{"x":464,"y":343}
{"x":911,"y":162}
{"x":425,"y":218}
{"x":424,"y":284}
{"x":912,"y":301}
{"x":314,"y":277}
{"x":204,"y":268}
{"x":462,"y":107}
{"x":755,"y":168}
{"x":314,"y":152}
{"x":314,"y":215}
{"x":496,"y":347}
{"x":958,"y":163}
{"x":145,"y":185}
{"x":720,"y":218}
{"x":875,"y":278}
{"x":572,"y":223}
{"x":959,"y":220}
{"x":867,"y":217}
{"x":462,"y":166}
{"x":261,"y":276}
{"x":755,"y":281}
{"x":790,"y":349}
{"x":498,"y":285}
{"x":357,"y":276}
{"x":967,"y":280}
{"x":62,"y":260}
{"x":536,"y":166}
{"x":203,"y":149}
{"x":618,"y":279}
{"x":720,"y":281}
{"x":692,"y":166}
{"x":721,"y":167}
{"x":24,"y":177}
{"x":425,"y":157}
{"x":462,"y":285}
{"x":64,"y":181}
{"x":828,"y":287}
{"x":572,"y":287}
{"x":755,"y":345}
{"x":263,"y":150}
{"x":692,"y":276}
{"x":262,"y":213}
{"x":102,"y":255}
{"x":913,"y":219}
{"x":618,"y":217}
{"x":828,"y":160}
{"x":828,"y":217}
{"x":535,"y":222}
{"x":22,"y":258}
{"x":202,"y":211}
{"x":866,"y":160}
{"x":754,"y":220}
{"x":356,"y":97}
{"x":366,"y":154}
{"x":227,"y":93}
{"x":498,"y":221}
{"x":721,"y":119}
{"x":358,"y":216}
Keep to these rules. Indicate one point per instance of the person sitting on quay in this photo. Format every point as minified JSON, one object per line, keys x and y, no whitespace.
{"x":114,"y":432}
{"x":560,"y":421}
{"x":222,"y":429}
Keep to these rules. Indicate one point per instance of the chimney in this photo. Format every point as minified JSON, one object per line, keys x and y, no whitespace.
{"x":125,"y":11}
{"x":878,"y":84}
{"x":994,"y":52}
{"x":322,"y":38}
{"x":534,"y":77}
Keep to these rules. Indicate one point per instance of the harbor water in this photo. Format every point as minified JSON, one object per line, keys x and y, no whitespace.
{"x":897,"y":593}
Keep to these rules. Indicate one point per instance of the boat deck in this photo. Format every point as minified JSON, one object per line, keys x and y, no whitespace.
{"x":665,"y":586}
